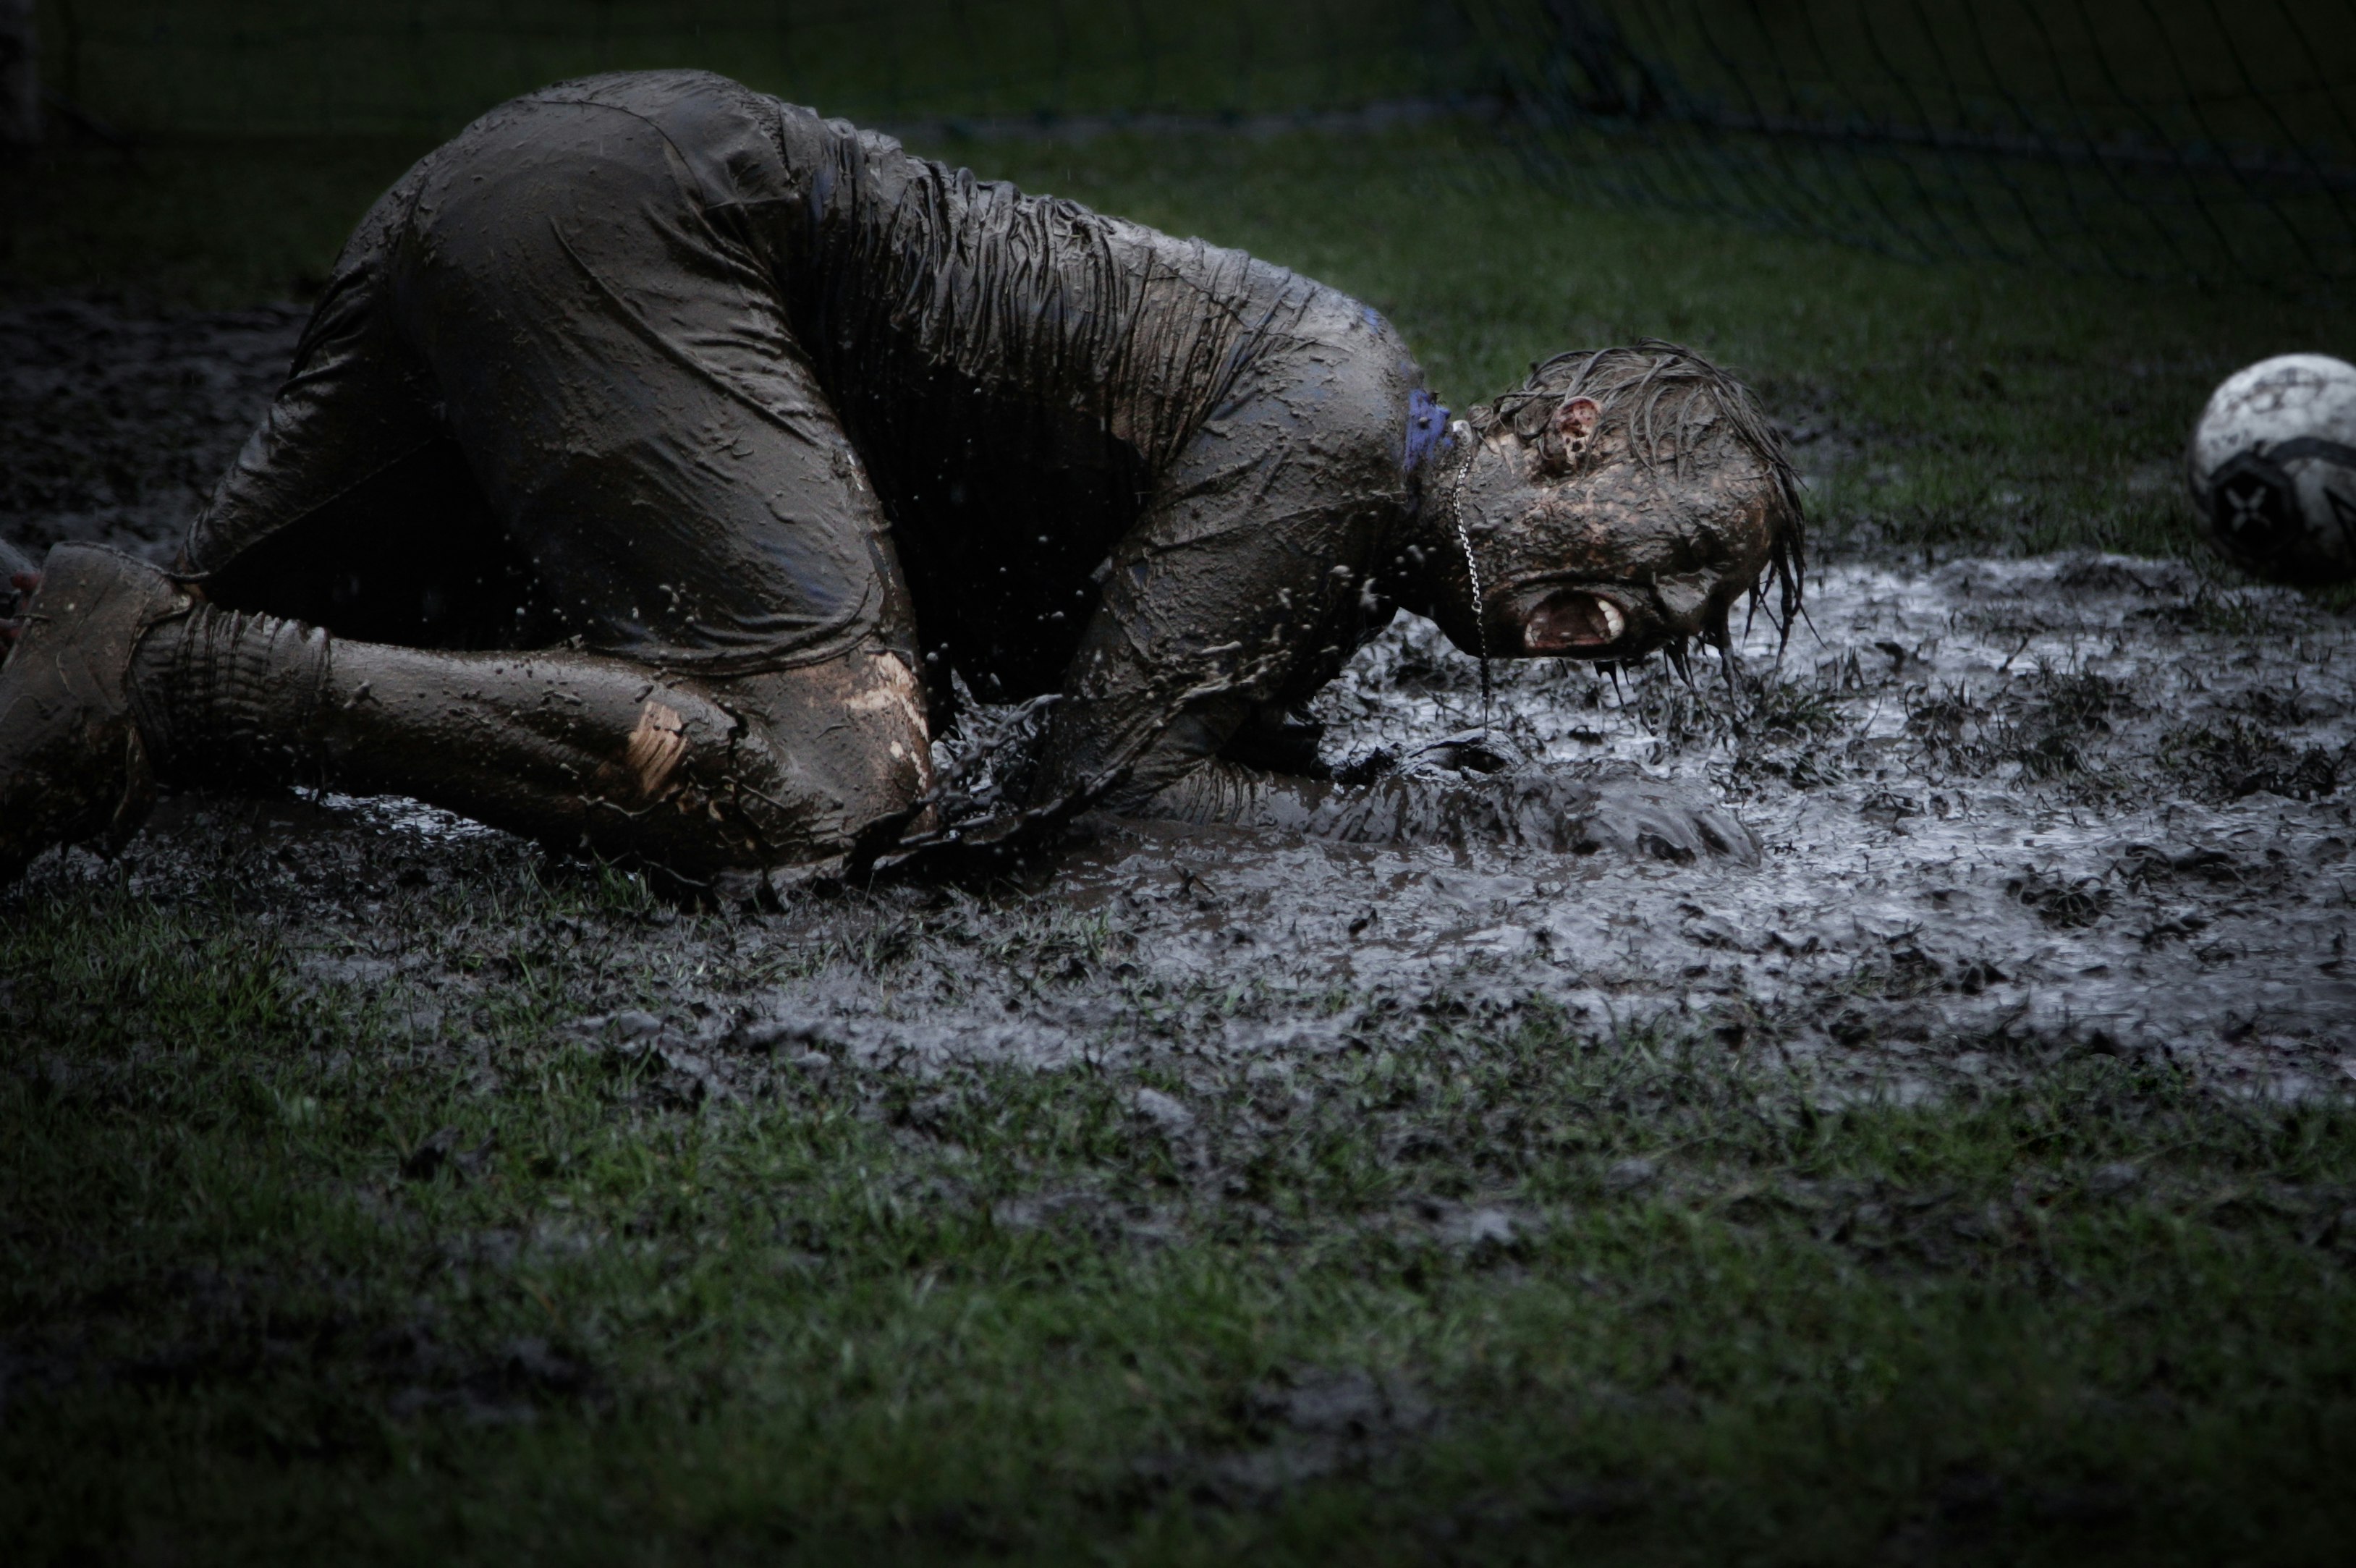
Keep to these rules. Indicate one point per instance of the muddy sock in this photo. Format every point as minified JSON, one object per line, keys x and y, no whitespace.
{"x":227,"y":698}
{"x":561,"y":746}
{"x":223,"y":697}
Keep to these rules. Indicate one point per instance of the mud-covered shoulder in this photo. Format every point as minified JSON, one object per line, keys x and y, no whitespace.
{"x":1351,"y":376}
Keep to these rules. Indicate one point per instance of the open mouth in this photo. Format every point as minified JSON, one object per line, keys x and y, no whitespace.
{"x":1573,"y":621}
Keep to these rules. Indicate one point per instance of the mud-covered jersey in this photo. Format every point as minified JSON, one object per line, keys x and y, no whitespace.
{"x":1149,"y":472}
{"x":1017,"y":372}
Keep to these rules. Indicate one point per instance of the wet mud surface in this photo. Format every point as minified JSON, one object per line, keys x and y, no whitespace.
{"x":115,"y":424}
{"x":2010,"y":811}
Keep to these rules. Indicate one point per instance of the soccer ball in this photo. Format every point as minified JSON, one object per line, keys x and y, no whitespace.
{"x":2273,"y":467}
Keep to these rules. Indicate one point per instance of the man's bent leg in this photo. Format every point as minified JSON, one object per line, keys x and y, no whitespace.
{"x":120,"y":673}
{"x":794,"y":772}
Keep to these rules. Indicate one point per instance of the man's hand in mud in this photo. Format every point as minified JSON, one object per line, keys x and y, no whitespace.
{"x":986,"y":845}
{"x":1654,"y":822}
{"x":1582,"y":813}
{"x":23,"y":584}
{"x":1455,"y":793}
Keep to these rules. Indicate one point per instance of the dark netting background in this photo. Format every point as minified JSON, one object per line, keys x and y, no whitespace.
{"x":2205,"y":138}
{"x":305,"y":67}
{"x":2212,"y":139}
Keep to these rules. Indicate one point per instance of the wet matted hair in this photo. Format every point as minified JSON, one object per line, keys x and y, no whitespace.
{"x":1669,"y":401}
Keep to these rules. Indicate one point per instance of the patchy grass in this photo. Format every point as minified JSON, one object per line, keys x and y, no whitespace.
{"x":278,"y":1276}
{"x":2226,"y":759}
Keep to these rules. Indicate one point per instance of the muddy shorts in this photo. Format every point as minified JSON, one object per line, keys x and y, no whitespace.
{"x":547,"y":396}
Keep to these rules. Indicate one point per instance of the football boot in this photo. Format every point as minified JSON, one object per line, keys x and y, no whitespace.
{"x":73,"y":767}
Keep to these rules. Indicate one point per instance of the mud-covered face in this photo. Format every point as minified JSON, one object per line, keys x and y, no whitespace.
{"x":1597,"y":555}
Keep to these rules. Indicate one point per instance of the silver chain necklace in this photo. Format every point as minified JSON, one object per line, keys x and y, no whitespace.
{"x":1462,"y":431}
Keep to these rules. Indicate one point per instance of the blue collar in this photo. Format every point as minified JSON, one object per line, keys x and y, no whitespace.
{"x":1427,"y":427}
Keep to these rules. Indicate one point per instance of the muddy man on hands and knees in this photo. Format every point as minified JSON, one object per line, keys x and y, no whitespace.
{"x":660,"y":451}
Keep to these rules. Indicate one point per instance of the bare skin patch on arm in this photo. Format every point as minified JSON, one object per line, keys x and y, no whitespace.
{"x":894,"y":691}
{"x":658,"y":744}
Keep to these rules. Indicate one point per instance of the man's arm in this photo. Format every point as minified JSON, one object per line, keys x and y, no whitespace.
{"x":1196,"y":633}
{"x":1545,"y":808}
{"x":1198,"y":626}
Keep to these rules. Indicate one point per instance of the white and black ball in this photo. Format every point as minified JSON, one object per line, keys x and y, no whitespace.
{"x":2273,"y":469}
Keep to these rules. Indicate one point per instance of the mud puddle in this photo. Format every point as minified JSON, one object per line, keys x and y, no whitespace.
{"x":2011,"y":810}
{"x":116,"y":423}
{"x":2054,"y":825}
{"x":2085,"y":802}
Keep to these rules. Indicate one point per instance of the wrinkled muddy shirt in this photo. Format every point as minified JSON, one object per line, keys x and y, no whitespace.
{"x":1151,"y":474}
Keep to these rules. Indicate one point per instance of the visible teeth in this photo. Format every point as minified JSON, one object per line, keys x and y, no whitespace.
{"x":1614,"y":623}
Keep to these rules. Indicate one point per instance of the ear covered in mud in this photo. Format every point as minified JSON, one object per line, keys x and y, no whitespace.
{"x":1565,"y":439}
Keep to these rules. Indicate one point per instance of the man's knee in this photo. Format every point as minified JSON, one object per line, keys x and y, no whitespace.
{"x":833,"y":760}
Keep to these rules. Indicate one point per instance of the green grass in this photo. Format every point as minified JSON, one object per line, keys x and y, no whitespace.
{"x":1941,"y":409}
{"x":2095,"y":1317}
